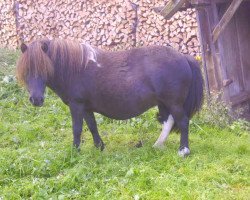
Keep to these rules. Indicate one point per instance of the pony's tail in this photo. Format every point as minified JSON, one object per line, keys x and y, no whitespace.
{"x":194,"y":99}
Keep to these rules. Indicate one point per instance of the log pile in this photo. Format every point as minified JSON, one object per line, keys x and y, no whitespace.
{"x":109,"y":24}
{"x":8,"y":33}
{"x":180,"y":31}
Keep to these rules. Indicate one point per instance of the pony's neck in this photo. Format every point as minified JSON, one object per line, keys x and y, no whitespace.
{"x":58,"y":86}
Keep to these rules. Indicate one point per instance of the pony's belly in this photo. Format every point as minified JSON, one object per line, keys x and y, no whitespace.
{"x":124,"y":114}
{"x":123,"y":100}
{"x":126,"y":110}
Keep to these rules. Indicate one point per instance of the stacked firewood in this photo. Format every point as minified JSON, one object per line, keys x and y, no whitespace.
{"x":110,"y":24}
{"x":180,"y":31}
{"x":8,"y":33}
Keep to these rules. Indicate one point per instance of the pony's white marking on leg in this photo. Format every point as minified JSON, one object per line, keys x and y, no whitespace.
{"x":166,"y":128}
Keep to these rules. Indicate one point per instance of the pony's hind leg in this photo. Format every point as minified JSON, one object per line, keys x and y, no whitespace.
{"x":167,"y":124}
{"x":166,"y":128}
{"x":182,"y":123}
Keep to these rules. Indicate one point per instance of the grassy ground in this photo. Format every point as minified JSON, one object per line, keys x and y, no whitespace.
{"x":37,"y":160}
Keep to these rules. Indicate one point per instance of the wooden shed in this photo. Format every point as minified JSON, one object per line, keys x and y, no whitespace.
{"x":224,"y":33}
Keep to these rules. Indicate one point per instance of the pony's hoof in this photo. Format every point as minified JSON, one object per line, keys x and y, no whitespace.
{"x":184,"y":152}
{"x":139,"y":144}
{"x":77,"y":147}
{"x":159,"y":146}
{"x":100,"y":145}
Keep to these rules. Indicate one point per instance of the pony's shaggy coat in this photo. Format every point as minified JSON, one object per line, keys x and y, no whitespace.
{"x":119,"y":85}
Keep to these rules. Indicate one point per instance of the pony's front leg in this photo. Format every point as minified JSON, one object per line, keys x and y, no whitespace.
{"x":91,"y":123}
{"x":77,"y":111}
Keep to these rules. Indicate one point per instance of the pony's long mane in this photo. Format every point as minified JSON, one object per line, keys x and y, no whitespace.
{"x":66,"y":57}
{"x":34,"y":62}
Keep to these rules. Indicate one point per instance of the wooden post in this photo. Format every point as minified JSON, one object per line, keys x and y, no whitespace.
{"x":200,"y":19}
{"x":16,"y":14}
{"x":219,"y":49}
{"x":212,"y":65}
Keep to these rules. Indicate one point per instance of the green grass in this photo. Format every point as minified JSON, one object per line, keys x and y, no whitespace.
{"x":37,"y":160}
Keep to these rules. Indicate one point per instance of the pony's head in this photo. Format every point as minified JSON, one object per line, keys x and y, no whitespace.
{"x":34,"y":68}
{"x":39,"y":60}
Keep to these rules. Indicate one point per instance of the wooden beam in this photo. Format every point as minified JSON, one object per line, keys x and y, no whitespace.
{"x":171,"y":8}
{"x":184,"y":7}
{"x":225,"y":19}
{"x":221,"y":1}
{"x":200,"y":2}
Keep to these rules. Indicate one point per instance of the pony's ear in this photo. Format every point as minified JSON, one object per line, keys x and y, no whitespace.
{"x":45,"y":47}
{"x":23,"y":47}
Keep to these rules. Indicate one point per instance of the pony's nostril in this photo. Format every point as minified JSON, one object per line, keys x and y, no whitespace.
{"x":37,"y":101}
{"x":32,"y":100}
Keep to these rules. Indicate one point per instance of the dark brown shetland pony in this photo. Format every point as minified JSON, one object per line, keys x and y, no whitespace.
{"x":119,"y":85}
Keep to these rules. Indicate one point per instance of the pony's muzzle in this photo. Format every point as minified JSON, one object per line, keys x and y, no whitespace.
{"x":37,"y":101}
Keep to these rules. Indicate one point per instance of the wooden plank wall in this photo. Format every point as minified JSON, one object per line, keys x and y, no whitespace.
{"x":229,"y":54}
{"x":243,"y":27}
{"x":206,"y":23}
{"x":228,"y":59}
{"x":234,"y":51}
